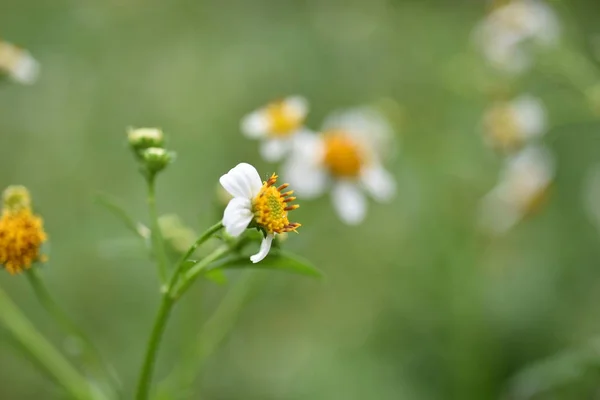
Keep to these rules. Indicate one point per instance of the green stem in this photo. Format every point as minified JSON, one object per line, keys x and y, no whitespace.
{"x":45,"y":299}
{"x":190,"y":275}
{"x":42,"y":351}
{"x":157,"y":239}
{"x":160,"y":324}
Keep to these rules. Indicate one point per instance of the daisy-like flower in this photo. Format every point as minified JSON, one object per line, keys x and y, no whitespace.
{"x":277,"y":125}
{"x":21,"y":232}
{"x":504,"y":35}
{"x":346,"y":156}
{"x":257,"y":204}
{"x":523,"y":186}
{"x":507,"y":126}
{"x":18,"y":63}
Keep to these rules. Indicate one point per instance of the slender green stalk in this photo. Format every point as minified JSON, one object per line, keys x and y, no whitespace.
{"x":46,"y":300}
{"x":167,"y":303}
{"x":160,"y":323}
{"x":190,"y":275}
{"x":158,"y":243}
{"x":47,"y":357}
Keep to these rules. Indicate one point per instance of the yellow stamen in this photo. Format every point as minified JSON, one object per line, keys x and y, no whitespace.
{"x":343,"y":156}
{"x":282,"y":120}
{"x":21,"y":235}
{"x":270,"y":208}
{"x":502,"y":128}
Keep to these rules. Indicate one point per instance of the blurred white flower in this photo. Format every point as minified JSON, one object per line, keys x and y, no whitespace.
{"x":18,"y":64}
{"x":507,"y":126}
{"x":504,"y":35}
{"x":346,"y":156}
{"x":523,"y":185}
{"x":277,"y":125}
{"x":258,"y":203}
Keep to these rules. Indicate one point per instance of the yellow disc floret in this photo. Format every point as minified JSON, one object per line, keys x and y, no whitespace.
{"x":503,"y":129}
{"x":271,"y":206}
{"x":282,"y":120}
{"x":21,"y":235}
{"x":343,"y":157}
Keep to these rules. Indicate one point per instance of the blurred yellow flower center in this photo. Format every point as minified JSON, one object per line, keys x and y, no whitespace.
{"x":10,"y":56}
{"x":271,"y":207}
{"x":282,"y":120}
{"x":502,"y":128}
{"x":21,"y":235}
{"x":343,"y":156}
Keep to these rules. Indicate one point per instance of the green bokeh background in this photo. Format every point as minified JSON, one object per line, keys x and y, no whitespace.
{"x":416,"y":304}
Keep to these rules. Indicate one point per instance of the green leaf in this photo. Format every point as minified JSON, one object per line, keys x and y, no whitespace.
{"x":118,"y":211}
{"x":279,"y":260}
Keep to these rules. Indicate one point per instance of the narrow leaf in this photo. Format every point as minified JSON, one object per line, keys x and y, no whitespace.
{"x":280,"y":260}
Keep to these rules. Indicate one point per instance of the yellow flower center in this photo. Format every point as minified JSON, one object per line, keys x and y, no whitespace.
{"x":503,"y":129}
{"x":343,"y":156}
{"x":271,"y":206}
{"x":282,"y":120}
{"x":21,"y":235}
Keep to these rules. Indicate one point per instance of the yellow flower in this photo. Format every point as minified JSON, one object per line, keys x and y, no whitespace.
{"x":21,"y":232}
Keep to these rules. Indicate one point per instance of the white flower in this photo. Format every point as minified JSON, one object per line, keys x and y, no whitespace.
{"x":523,"y":185}
{"x":277,"y":125}
{"x":258,"y":203}
{"x":504,"y":34}
{"x":18,"y":64}
{"x":507,"y":126}
{"x":346,"y":156}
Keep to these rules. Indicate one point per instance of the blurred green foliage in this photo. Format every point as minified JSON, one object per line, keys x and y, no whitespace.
{"x":415,"y":304}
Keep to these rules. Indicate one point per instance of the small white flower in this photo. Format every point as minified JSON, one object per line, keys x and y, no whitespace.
{"x":507,"y":126}
{"x":504,"y":34}
{"x":258,"y":203}
{"x":18,"y":63}
{"x":346,"y":156}
{"x":277,"y":125}
{"x":523,"y":185}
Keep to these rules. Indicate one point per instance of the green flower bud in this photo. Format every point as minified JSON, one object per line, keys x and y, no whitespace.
{"x":144,"y":138}
{"x":155,"y":159}
{"x":16,"y":198}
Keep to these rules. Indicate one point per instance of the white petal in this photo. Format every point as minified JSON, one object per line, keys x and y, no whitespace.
{"x":273,"y":150}
{"x":379,"y":183}
{"x":265,"y":246}
{"x":349,"y":202}
{"x":308,"y":180}
{"x":530,"y":115}
{"x":237,"y":216}
{"x":26,"y":70}
{"x":242,"y":181}
{"x":255,"y":125}
{"x":297,"y":106}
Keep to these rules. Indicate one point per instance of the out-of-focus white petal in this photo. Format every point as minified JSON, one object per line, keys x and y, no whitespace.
{"x":296,"y":106}
{"x":256,"y":124}
{"x":242,"y":181}
{"x":303,"y":169}
{"x":530,"y":115}
{"x":265,"y":246}
{"x":379,"y":183}
{"x":26,"y":69}
{"x":273,"y":150}
{"x":237,"y":216}
{"x":349,"y":202}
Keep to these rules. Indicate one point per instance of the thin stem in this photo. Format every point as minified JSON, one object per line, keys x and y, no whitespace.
{"x":190,"y":276}
{"x":47,"y":357}
{"x":158,"y":243}
{"x":45,"y":299}
{"x":160,"y":324}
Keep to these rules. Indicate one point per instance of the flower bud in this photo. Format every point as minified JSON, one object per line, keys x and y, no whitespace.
{"x":16,"y":198}
{"x":144,"y":138}
{"x":155,"y":159}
